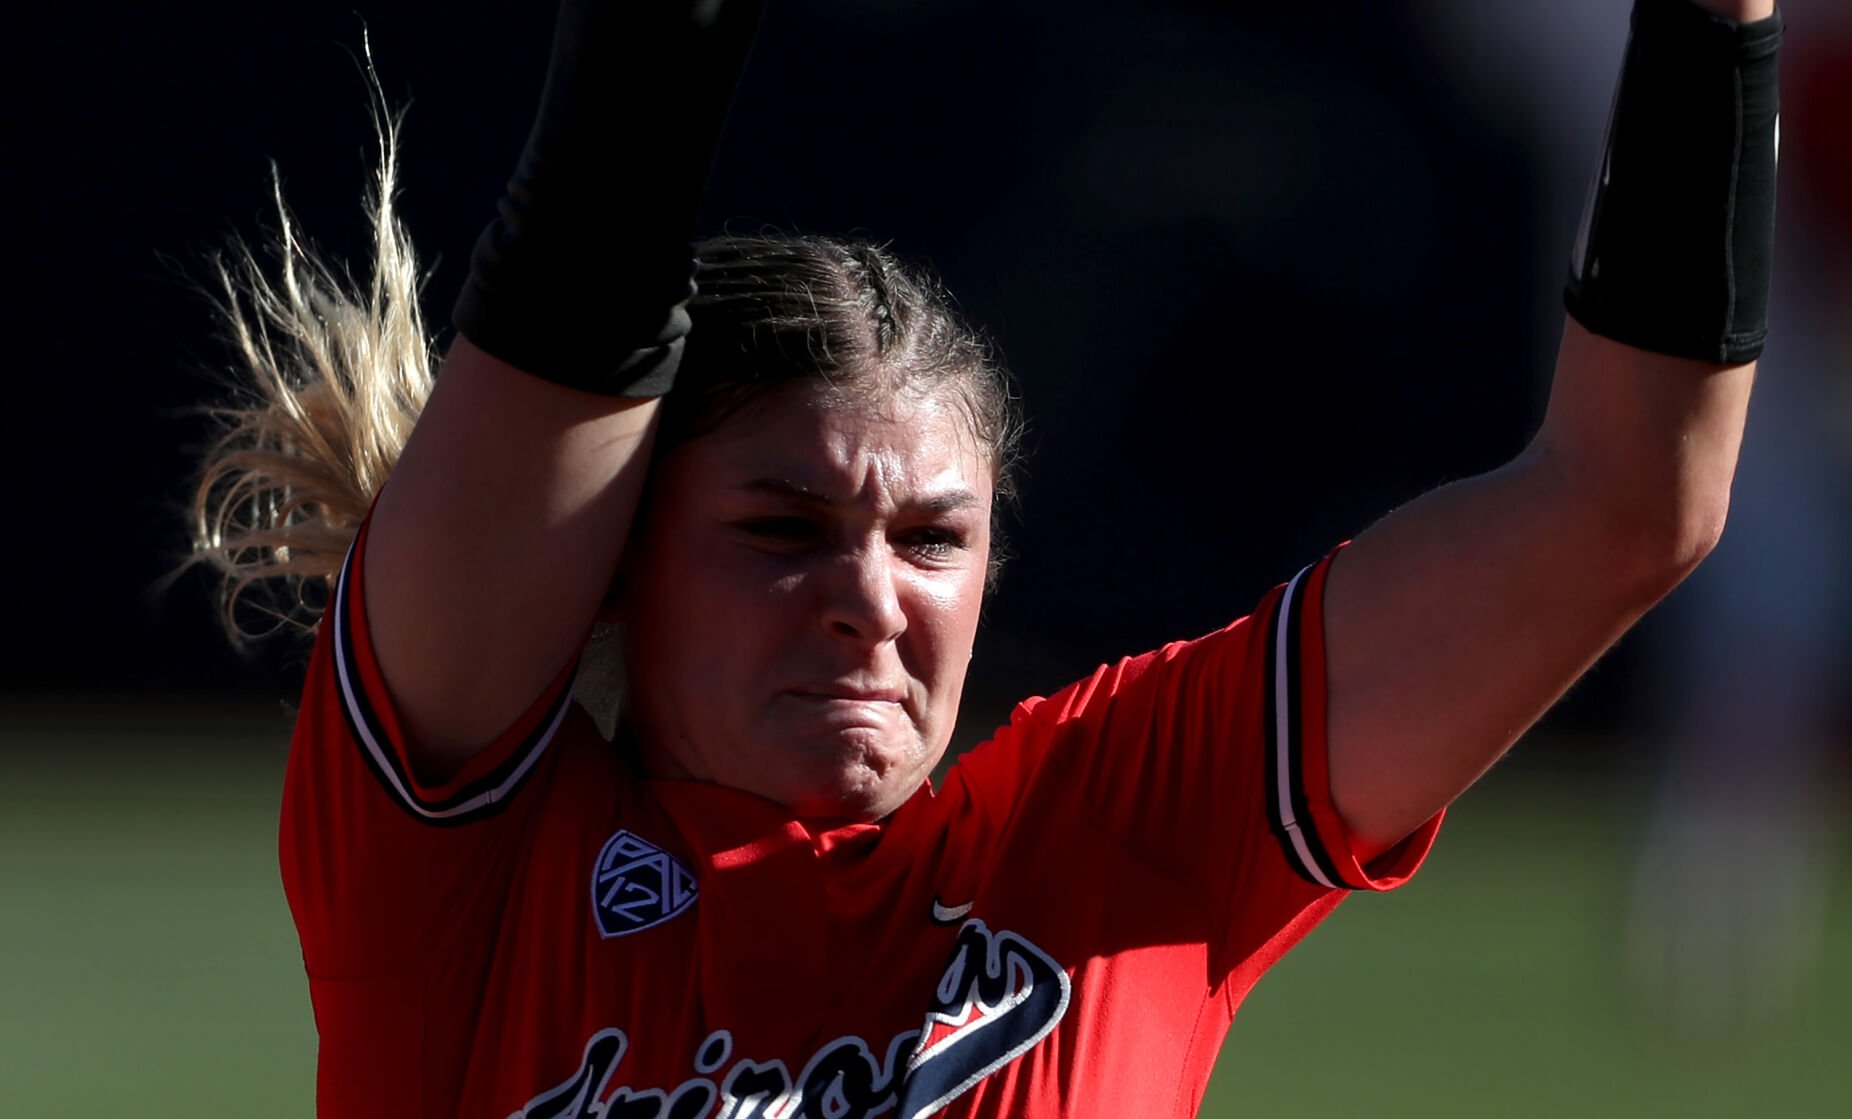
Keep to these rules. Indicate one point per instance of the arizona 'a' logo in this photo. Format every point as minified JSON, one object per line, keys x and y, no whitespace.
{"x":997,"y":998}
{"x":636,"y":884}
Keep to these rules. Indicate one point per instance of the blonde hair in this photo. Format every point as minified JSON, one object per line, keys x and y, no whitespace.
{"x":329,"y":376}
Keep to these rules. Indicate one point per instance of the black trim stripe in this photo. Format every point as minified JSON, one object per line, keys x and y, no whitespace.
{"x":474,"y":801}
{"x":1287,"y":808}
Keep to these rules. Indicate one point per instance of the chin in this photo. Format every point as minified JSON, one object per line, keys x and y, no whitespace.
{"x":859,"y":791}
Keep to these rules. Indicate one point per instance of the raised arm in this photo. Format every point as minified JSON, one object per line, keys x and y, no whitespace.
{"x":1456,"y":621}
{"x":500,"y":529}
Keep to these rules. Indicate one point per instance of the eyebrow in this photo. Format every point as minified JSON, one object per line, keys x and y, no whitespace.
{"x":948,"y":501}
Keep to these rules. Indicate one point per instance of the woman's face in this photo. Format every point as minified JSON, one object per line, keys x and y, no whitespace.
{"x":800,"y":601}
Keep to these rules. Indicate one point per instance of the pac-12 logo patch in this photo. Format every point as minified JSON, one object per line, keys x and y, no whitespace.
{"x":636,"y":884}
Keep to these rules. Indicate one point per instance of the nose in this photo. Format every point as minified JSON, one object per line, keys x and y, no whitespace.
{"x":862,"y":600}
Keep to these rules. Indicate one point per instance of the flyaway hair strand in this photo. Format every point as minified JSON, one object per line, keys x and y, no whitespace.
{"x":330,"y":376}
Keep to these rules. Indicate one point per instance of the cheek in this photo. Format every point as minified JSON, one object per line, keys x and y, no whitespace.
{"x":948,"y":619}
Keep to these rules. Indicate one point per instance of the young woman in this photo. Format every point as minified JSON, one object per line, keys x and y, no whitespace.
{"x":759,"y":506}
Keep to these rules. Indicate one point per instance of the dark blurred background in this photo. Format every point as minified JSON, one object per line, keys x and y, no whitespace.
{"x":1262,"y":274}
{"x":1263,"y":271}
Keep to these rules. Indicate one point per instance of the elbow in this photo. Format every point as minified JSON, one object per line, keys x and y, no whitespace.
{"x":1700,"y":529}
{"x":1643,"y":532}
{"x":1642,"y":447}
{"x":1661,"y":540}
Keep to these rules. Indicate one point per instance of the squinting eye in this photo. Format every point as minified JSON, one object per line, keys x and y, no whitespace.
{"x":935,"y":542}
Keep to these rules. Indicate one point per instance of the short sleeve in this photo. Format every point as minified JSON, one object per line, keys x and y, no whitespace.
{"x":1297,"y":787}
{"x":376,"y":863}
{"x":1207,"y":760}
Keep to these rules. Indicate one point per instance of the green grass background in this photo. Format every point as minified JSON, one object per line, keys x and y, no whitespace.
{"x":148,"y":967}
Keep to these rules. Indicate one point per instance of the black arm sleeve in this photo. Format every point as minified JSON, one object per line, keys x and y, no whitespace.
{"x":584,"y":276}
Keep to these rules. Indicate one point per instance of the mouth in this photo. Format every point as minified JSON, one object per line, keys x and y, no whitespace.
{"x":850,"y":693}
{"x":839,"y":708}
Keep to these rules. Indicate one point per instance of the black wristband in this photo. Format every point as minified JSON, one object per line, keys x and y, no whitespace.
{"x":584,"y":277}
{"x":1676,"y":247}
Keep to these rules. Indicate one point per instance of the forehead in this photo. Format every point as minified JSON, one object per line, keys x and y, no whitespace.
{"x":899,"y":447}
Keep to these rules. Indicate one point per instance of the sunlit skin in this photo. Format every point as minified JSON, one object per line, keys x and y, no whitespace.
{"x":800,"y":603}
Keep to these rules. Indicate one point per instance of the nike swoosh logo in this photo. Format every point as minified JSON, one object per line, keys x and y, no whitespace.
{"x":946,"y":914}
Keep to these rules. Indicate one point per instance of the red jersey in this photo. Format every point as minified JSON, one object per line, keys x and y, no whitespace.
{"x":1064,"y":928}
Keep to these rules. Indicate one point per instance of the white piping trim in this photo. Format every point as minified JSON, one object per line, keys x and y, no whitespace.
{"x":382,"y":756}
{"x":1283,"y":716}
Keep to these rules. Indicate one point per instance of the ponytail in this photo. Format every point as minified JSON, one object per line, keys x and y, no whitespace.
{"x":329,"y":377}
